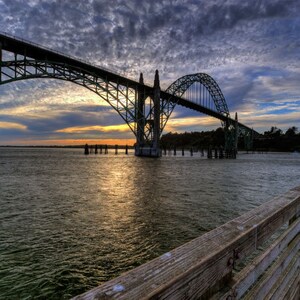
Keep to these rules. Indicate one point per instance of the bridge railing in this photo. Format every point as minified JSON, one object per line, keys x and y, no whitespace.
{"x":229,"y":262}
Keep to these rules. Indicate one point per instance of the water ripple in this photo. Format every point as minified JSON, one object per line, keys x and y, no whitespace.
{"x":69,"y":222}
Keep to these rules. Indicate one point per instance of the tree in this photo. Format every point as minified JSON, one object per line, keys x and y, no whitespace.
{"x":218,"y":137}
{"x":292,"y":131}
{"x":274,"y":132}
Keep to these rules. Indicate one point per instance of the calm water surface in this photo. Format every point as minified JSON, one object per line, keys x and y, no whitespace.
{"x":69,"y":222}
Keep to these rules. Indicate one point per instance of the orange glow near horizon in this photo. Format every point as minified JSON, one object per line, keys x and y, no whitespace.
{"x":180,"y":124}
{"x":108,"y":128}
{"x":71,"y":142}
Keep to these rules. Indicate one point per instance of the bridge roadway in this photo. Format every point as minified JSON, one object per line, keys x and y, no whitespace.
{"x":38,"y":52}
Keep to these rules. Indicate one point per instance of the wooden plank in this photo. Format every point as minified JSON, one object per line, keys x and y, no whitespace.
{"x":285,"y":279}
{"x":269,"y":279}
{"x":291,"y":289}
{"x":242,"y":281}
{"x":188,"y":271}
{"x":294,"y":291}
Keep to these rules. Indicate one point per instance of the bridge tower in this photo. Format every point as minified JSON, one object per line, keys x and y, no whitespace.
{"x":156,"y":115}
{"x":248,"y":140}
{"x":140,"y":118}
{"x":231,"y":137}
{"x":148,"y":121}
{"x":0,"y":61}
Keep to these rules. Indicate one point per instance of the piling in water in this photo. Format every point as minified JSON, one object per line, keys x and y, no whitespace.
{"x":221,"y":154}
{"x":216,"y":153}
{"x":209,"y":152}
{"x":165,"y":151}
{"x":86,"y":149}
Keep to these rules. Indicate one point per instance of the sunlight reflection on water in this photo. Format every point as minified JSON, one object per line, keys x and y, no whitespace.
{"x":70,"y":222}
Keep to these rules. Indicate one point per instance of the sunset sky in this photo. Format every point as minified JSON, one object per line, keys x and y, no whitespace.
{"x":251,"y":48}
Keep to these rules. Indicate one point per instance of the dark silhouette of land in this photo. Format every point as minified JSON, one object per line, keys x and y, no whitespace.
{"x":272,"y":140}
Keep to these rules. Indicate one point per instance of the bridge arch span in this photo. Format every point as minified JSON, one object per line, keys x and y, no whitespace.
{"x":180,"y":86}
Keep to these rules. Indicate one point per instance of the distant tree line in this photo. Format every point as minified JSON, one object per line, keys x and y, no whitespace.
{"x":276,"y":140}
{"x":272,"y":140}
{"x":202,"y":139}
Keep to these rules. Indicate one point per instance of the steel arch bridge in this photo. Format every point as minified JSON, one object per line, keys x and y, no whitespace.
{"x":145,"y":109}
{"x":181,"y":85}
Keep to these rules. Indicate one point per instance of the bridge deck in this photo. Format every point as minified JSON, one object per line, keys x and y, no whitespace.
{"x":210,"y":266}
{"x":40,"y":53}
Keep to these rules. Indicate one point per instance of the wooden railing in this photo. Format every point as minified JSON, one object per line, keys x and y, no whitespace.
{"x":255,"y":256}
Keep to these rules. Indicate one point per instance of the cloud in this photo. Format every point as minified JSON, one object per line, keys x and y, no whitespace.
{"x":251,"y":48}
{"x":11,"y":125}
{"x":266,"y":121}
{"x":123,"y":34}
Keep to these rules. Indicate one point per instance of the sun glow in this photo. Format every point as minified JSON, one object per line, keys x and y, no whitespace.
{"x":182,"y":124}
{"x":83,"y":129}
{"x":70,"y":142}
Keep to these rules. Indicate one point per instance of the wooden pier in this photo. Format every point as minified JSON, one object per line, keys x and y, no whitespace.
{"x":255,"y":256}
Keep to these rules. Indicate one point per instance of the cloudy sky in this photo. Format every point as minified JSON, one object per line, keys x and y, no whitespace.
{"x":251,"y":48}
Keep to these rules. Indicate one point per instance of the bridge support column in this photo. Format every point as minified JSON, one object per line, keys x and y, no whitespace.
{"x":231,"y":138}
{"x":140,"y":115}
{"x":236,"y":131}
{"x":149,"y":146}
{"x":156,"y":129}
{"x":0,"y":62}
{"x":248,"y":140}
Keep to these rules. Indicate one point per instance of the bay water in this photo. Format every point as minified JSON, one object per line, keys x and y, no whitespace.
{"x":69,"y":222}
